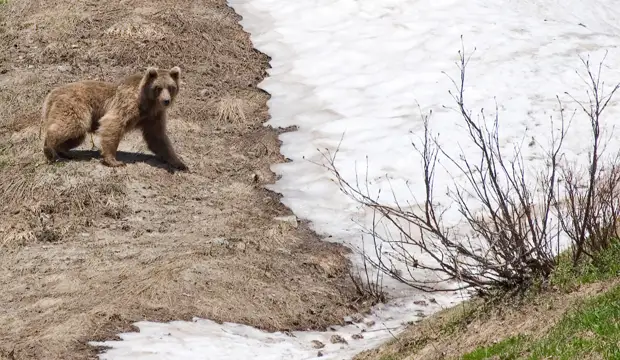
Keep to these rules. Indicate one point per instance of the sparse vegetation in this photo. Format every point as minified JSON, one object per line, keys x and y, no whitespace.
{"x":512,"y":223}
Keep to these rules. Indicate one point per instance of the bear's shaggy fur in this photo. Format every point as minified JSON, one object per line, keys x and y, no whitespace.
{"x":139,"y":101}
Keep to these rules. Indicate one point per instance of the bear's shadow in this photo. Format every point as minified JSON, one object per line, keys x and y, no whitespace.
{"x":124,"y":156}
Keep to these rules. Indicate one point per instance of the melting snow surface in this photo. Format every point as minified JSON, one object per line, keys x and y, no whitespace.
{"x":362,"y":67}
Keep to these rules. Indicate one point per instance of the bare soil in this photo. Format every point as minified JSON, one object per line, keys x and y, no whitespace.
{"x":456,"y":331}
{"x":87,"y":250}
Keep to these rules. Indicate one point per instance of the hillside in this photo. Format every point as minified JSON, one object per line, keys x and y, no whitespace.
{"x":574,"y":316}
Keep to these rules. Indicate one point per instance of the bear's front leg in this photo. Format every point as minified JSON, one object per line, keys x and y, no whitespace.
{"x":158,"y":142}
{"x":111,"y":132}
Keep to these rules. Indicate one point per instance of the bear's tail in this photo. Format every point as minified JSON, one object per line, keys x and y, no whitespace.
{"x":44,"y":113}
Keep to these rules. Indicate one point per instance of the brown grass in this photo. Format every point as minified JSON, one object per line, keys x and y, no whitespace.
{"x":231,"y":110}
{"x":86,"y":250}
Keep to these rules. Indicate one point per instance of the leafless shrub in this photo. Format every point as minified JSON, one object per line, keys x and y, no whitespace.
{"x":513,"y":226}
{"x":590,"y":205}
{"x":367,"y":284}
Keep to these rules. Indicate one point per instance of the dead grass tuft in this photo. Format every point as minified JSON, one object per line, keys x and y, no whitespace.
{"x":138,"y":29}
{"x":231,"y":111}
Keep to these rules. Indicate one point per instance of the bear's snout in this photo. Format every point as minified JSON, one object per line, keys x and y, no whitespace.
{"x":164,"y":97}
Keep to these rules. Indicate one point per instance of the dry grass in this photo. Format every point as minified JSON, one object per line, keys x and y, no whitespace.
{"x":86,"y":250}
{"x":231,"y":110}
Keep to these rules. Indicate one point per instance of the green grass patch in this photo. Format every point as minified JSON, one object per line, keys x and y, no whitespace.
{"x":604,"y":266}
{"x":508,"y":346}
{"x":593,"y":328}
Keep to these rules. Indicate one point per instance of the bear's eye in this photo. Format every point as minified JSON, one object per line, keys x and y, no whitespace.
{"x":157,"y":89}
{"x":172,"y":89}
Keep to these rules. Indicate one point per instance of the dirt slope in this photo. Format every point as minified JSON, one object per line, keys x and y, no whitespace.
{"x":86,"y":250}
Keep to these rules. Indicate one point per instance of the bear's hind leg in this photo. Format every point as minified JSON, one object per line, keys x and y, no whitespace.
{"x":70,"y":144}
{"x":53,"y":151}
{"x":60,"y":138}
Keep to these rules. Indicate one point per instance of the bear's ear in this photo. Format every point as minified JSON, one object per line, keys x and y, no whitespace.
{"x":175,"y":72}
{"x":151,"y":73}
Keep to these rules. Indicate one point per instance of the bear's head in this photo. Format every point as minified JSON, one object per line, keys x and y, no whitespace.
{"x":160,"y":87}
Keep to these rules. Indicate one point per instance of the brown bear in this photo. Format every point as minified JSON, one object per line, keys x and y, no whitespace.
{"x":139,"y":101}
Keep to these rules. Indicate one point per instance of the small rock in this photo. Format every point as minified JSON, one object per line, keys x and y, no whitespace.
{"x":220,"y":242}
{"x":353,"y":319}
{"x":357,"y":336}
{"x":204,"y":92}
{"x":291,"y":219}
{"x":335,"y":339}
{"x":370,"y":323}
{"x":255,"y":178}
{"x":421,"y":302}
{"x":241,"y":246}
{"x":284,"y":251}
{"x":64,"y":68}
{"x":433,"y":301}
{"x":317,"y":344}
{"x":357,"y":318}
{"x":319,"y":354}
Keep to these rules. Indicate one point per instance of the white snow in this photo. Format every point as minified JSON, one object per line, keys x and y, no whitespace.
{"x":361,"y":67}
